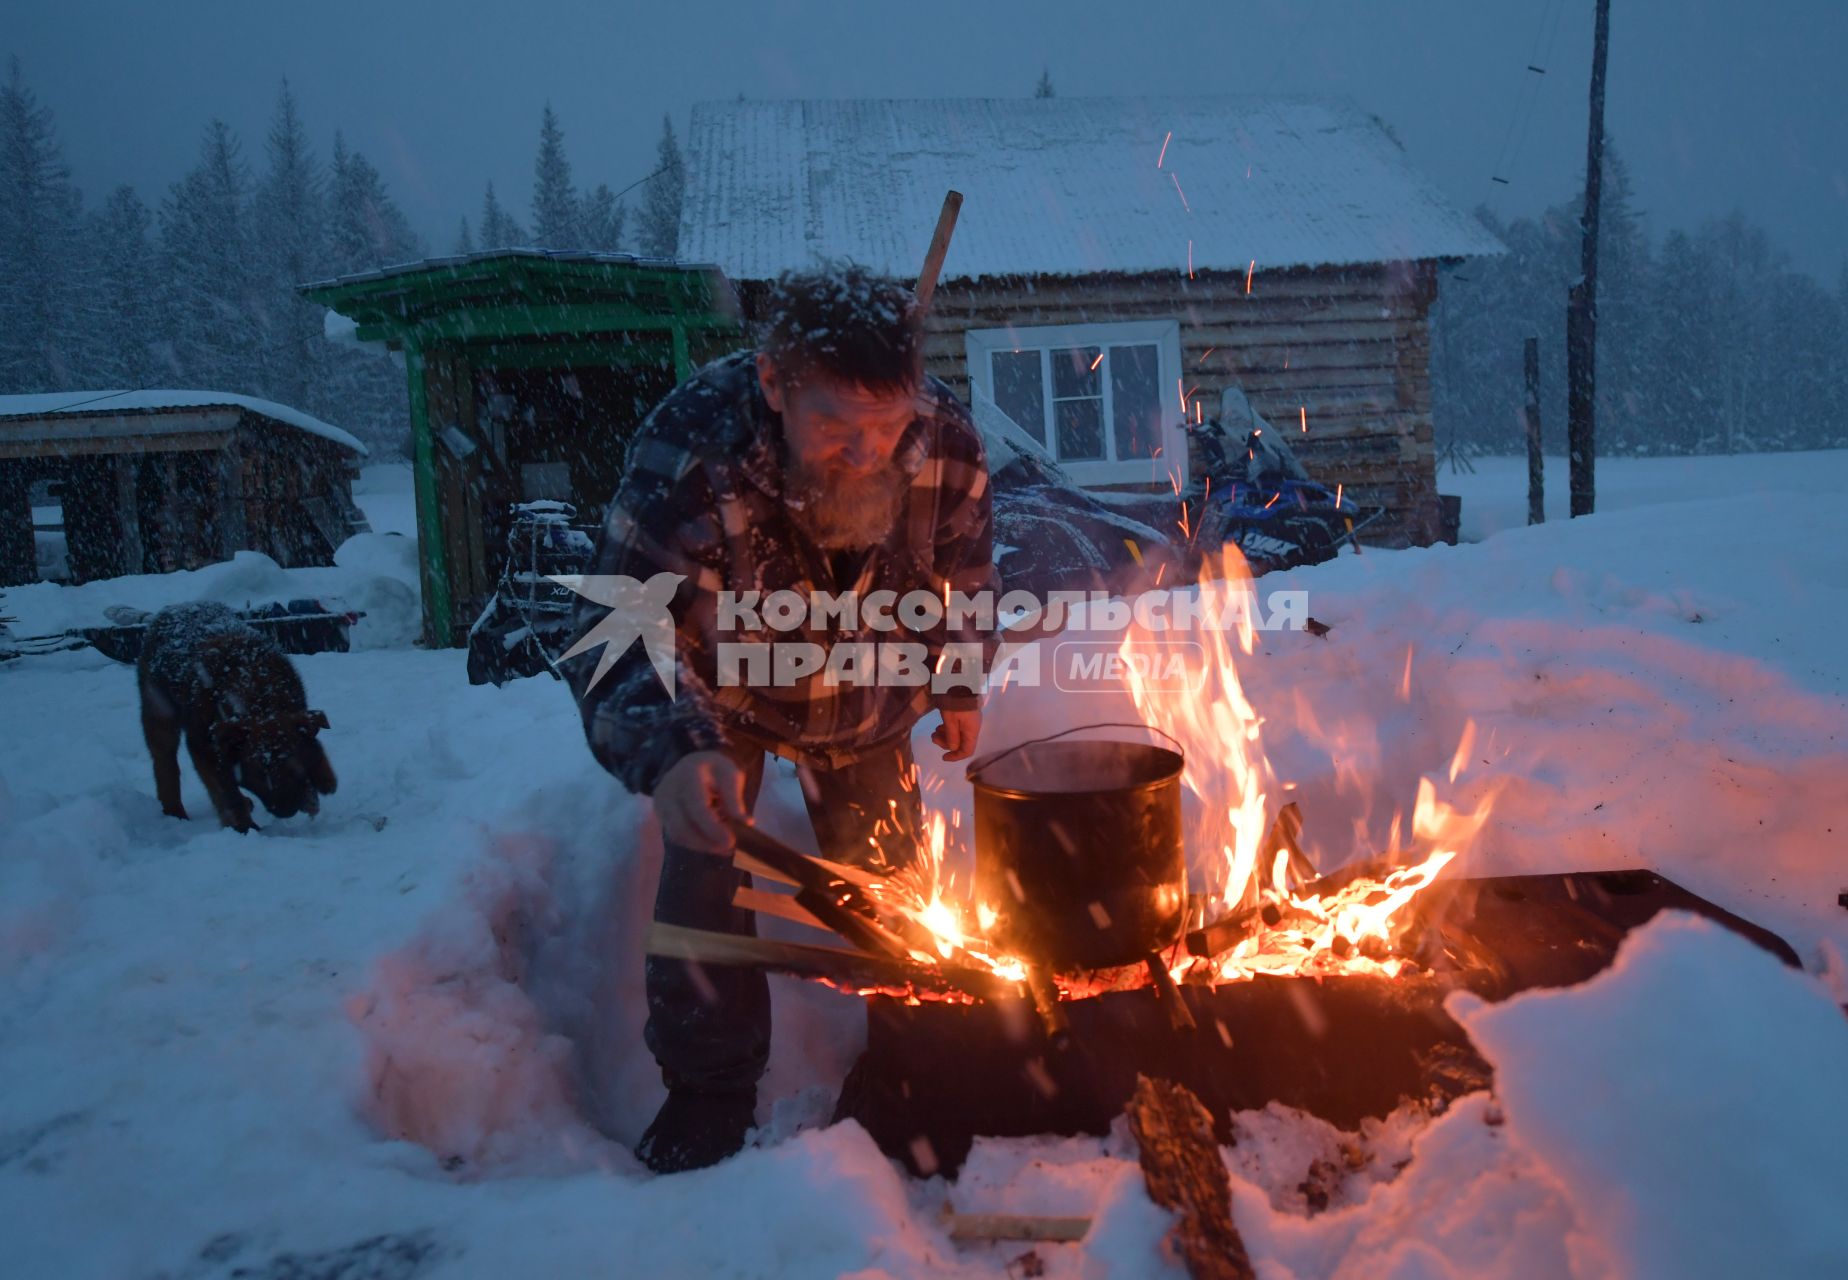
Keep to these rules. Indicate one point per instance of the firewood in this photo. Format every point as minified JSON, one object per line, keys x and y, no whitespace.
{"x":1181,"y":1165}
{"x":1014,"y":1226}
{"x":1180,"y":1017}
{"x":1046,"y":1004}
{"x":841,"y":906}
{"x":760,"y":870}
{"x":781,"y":905}
{"x":851,"y":970}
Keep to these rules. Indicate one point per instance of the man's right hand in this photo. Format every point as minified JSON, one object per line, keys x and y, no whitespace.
{"x":698,"y":799}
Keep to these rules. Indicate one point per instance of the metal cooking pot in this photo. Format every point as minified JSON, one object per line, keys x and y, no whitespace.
{"x":1078,"y":848}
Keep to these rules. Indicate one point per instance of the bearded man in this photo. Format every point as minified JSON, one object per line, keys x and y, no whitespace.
{"x":823,"y":462}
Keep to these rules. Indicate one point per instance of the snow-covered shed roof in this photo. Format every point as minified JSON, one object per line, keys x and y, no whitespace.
{"x":82,"y":403}
{"x":1059,"y":186}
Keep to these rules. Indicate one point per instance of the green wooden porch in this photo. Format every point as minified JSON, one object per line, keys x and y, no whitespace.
{"x":528,"y":372}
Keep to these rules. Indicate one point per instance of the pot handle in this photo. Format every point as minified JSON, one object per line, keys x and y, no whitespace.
{"x":976,"y":766}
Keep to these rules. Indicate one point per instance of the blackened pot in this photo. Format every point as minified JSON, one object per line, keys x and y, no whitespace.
{"x":1078,"y":850}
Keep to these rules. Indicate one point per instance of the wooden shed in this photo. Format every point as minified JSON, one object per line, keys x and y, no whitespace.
{"x":529,"y":371}
{"x":152,"y":481}
{"x":1121,"y":263}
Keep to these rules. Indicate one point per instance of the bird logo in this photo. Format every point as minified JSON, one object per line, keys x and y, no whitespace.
{"x":637,"y":611}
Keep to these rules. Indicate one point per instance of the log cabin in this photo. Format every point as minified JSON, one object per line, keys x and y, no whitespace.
{"x":1120,"y":263}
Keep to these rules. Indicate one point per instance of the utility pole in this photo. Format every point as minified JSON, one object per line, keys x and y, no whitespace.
{"x":1582,"y":299}
{"x":1530,"y":417}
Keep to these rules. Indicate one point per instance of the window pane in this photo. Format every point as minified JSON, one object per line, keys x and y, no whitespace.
{"x":1135,"y":401}
{"x":1080,"y":426}
{"x":1019,"y":390}
{"x":1075,"y":372}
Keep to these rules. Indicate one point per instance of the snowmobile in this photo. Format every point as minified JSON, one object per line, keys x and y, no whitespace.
{"x":1256,"y":495}
{"x":526,"y":623}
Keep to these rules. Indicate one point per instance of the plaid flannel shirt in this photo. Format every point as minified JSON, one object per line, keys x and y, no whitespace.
{"x":702,"y":496}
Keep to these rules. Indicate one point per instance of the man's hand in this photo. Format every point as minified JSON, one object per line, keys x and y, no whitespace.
{"x":698,"y":798}
{"x":957,"y":734}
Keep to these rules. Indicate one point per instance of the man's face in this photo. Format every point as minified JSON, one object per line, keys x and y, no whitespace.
{"x":842,"y":488}
{"x":835,"y":427}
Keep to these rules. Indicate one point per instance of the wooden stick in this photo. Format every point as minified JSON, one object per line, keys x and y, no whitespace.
{"x":760,"y":870}
{"x":854,"y":970}
{"x":1046,"y":1004}
{"x":1015,"y":1226}
{"x":781,"y":905}
{"x":1180,"y":1017}
{"x":840,"y":906}
{"x":939,"y":248}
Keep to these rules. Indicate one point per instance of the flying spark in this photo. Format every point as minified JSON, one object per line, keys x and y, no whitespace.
{"x":1183,"y":194}
{"x":1164,"y":149}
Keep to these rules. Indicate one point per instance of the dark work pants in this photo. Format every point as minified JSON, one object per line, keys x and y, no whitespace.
{"x":709,"y":1025}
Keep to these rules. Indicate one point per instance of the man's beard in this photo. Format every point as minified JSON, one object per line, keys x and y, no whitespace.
{"x":843,"y":510}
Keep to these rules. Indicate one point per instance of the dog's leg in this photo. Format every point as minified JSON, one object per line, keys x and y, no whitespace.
{"x":233,"y":805}
{"x":163,"y":738}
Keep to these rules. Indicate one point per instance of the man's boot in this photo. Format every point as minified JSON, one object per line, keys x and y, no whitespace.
{"x":693,"y":1130}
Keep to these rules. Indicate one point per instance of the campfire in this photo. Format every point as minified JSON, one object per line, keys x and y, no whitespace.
{"x":1109,"y":930}
{"x":1083,"y":885}
{"x":1082,"y":882}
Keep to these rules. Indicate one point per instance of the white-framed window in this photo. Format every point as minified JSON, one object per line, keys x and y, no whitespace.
{"x":1103,"y":398}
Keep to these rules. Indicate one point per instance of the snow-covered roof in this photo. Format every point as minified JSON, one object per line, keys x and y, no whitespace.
{"x":1059,"y":186}
{"x":78,"y":403}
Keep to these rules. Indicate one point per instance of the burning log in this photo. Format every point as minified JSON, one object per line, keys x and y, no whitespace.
{"x":837,"y":903}
{"x":1180,"y":1017}
{"x":1181,"y":1165}
{"x":848,"y":970}
{"x":1046,"y":1005}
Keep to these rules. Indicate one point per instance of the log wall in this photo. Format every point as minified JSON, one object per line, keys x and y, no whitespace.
{"x":1348,"y":348}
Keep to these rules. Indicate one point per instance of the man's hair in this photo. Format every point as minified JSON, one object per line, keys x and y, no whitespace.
{"x":846,"y":324}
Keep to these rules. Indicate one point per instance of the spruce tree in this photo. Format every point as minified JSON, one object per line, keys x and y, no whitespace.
{"x":39,"y":212}
{"x":1044,"y":88}
{"x":123,"y":348}
{"x":465,"y":242}
{"x":498,"y":228}
{"x":367,"y":230}
{"x":555,"y":205}
{"x":290,"y":250}
{"x":602,"y":219}
{"x":660,"y":225}
{"x":206,"y":263}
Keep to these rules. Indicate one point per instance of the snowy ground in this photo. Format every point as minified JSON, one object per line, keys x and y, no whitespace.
{"x":205,"y":1038}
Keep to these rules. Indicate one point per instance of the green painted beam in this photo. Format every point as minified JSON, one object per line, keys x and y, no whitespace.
{"x":570,"y":355}
{"x":569,"y":319}
{"x":432,"y":558}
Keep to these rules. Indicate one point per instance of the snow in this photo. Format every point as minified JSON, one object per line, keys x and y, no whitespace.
{"x":1059,"y":186}
{"x":77,"y":403}
{"x":1495,"y":494}
{"x":1697,"y":1121}
{"x":404,"y":1035}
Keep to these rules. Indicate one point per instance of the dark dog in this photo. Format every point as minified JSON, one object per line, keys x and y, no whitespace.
{"x":239,"y":701}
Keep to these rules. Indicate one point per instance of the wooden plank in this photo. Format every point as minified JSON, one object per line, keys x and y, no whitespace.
{"x":102,"y":426}
{"x":850,"y":970}
{"x":105,"y":446}
{"x":780,"y":905}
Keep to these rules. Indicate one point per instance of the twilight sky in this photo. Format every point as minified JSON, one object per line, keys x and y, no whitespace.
{"x":1715,"y":104}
